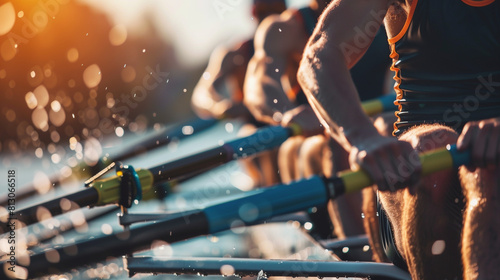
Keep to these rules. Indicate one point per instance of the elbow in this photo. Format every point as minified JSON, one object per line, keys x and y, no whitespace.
{"x":309,"y":69}
{"x":201,"y":104}
{"x":253,"y":105}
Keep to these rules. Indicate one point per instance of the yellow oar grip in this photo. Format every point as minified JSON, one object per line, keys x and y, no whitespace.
{"x":296,"y":129}
{"x":372,"y":107}
{"x":108,"y":189}
{"x":433,"y":161}
{"x":437,"y":160}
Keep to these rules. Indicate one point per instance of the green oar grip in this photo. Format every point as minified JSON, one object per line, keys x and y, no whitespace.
{"x":378,"y":105}
{"x":433,"y":161}
{"x":108,"y":189}
{"x":370,"y":107}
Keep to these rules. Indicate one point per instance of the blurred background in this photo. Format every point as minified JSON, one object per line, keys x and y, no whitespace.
{"x":91,"y":69}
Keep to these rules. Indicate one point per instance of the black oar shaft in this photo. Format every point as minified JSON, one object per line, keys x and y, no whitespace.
{"x":192,"y":164}
{"x":30,"y":215}
{"x":165,"y":137}
{"x":158,"y":140}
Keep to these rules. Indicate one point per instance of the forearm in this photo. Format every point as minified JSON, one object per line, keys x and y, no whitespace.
{"x":208,"y":99}
{"x":203,"y":101}
{"x":325,"y":78}
{"x":267,"y":102}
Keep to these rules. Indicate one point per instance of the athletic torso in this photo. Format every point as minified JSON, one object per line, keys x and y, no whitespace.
{"x":446,"y":58}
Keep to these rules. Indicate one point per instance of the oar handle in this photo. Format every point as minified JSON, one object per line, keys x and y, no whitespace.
{"x":379,"y":105}
{"x":433,"y":161}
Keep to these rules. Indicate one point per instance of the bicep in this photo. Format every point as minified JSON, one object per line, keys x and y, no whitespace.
{"x":272,"y":49}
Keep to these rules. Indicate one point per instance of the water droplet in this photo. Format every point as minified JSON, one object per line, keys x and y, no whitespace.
{"x":118,"y":35}
{"x":55,"y":158}
{"x":8,"y":49}
{"x":206,"y":75}
{"x":308,"y":226}
{"x":20,"y":14}
{"x":366,"y":248}
{"x":276,"y":70}
{"x":229,"y":127}
{"x":8,"y":16}
{"x":57,"y":118}
{"x":41,"y":182}
{"x":362,"y":215}
{"x":438,"y":247}
{"x":52,"y":256}
{"x":92,"y":76}
{"x":128,"y":74}
{"x":275,"y":101}
{"x":119,"y":131}
{"x":39,"y":152}
{"x":55,"y":105}
{"x":40,"y":119}
{"x":279,"y":29}
{"x":106,"y":229}
{"x":184,"y":90}
{"x":72,"y":55}
{"x":143,"y":50}
{"x":32,"y":74}
{"x":42,"y":96}
{"x":345,"y":250}
{"x":187,"y":130}
{"x":227,"y":270}
{"x":10,"y":115}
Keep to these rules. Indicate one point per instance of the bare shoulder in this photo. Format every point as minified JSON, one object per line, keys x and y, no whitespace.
{"x":280,"y":33}
{"x":396,"y":16}
{"x":224,"y":59}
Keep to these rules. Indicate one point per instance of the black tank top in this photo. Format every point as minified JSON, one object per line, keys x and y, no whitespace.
{"x":447,"y":63}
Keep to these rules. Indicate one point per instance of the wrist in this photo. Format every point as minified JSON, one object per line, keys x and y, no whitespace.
{"x":360,"y":133}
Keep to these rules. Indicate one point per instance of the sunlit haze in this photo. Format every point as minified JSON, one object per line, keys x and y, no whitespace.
{"x":194,"y":27}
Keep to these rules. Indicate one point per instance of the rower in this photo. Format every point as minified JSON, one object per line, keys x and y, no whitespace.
{"x":446,"y":59}
{"x":274,"y":96}
{"x":219,"y":92}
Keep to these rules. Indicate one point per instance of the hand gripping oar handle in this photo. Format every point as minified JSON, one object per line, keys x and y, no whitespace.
{"x":433,"y":161}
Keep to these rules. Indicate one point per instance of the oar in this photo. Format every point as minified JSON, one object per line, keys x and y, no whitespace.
{"x":133,"y":184}
{"x":179,"y":131}
{"x":130,"y":184}
{"x":249,"y":208}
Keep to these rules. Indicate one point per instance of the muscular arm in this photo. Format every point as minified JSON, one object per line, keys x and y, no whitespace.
{"x":335,"y":47}
{"x":275,"y":40}
{"x":210,"y":97}
{"x":324,"y":72}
